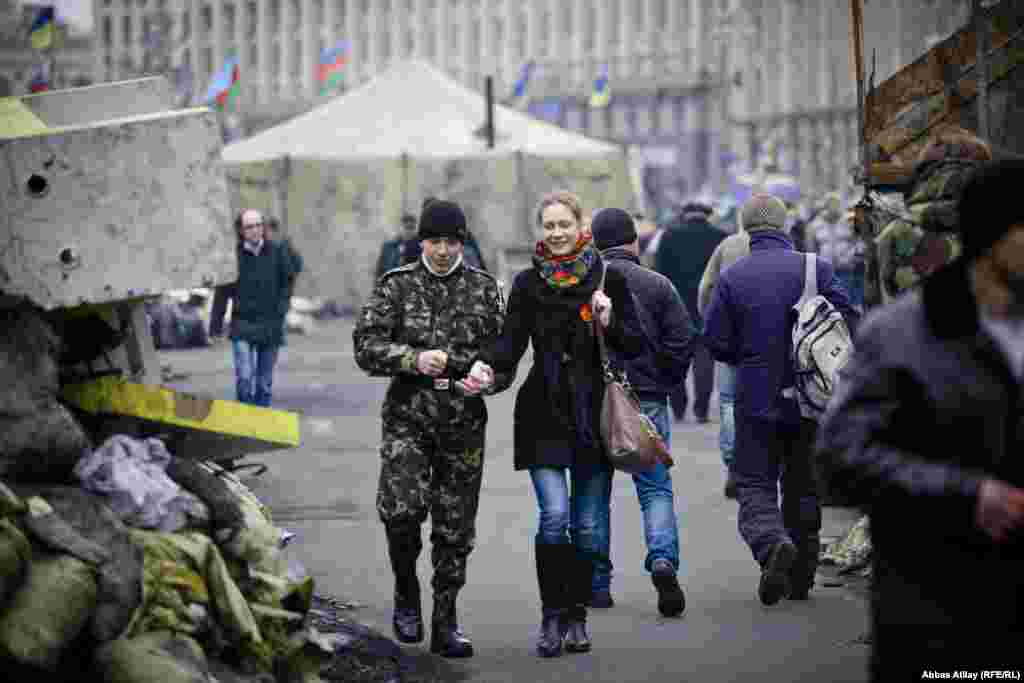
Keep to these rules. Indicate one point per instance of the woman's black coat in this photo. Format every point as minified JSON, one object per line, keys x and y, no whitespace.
{"x":557,"y":412}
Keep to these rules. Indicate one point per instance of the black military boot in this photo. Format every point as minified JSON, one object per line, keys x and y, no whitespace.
{"x":578,"y":588}
{"x":446,"y":638}
{"x":551,"y":561}
{"x":407,"y":621}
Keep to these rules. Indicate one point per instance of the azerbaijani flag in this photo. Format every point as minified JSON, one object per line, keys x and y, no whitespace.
{"x":519,"y":88}
{"x":332,"y":59}
{"x":41,"y":32}
{"x":225,"y":86}
{"x":602,"y":93}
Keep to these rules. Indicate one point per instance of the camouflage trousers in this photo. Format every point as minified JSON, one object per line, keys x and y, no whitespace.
{"x":435,"y":471}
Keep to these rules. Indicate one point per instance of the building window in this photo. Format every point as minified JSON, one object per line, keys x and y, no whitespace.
{"x":126,"y":29}
{"x":108,"y":29}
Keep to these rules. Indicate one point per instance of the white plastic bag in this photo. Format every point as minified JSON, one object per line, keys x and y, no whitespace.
{"x":131,"y":474}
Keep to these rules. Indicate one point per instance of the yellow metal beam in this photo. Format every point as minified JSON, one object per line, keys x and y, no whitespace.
{"x":263,"y":428}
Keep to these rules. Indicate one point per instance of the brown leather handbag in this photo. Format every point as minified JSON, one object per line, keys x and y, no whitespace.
{"x":631,"y":441}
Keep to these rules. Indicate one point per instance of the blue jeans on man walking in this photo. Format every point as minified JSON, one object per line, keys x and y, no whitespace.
{"x":727,"y":420}
{"x":654,"y":491}
{"x":254,"y":371}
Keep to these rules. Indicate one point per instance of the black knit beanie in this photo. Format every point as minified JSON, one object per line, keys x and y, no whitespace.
{"x":612,"y":228}
{"x":989,"y":205}
{"x":442,"y":218}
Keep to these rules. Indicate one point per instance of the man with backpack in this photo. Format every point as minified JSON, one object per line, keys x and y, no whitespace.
{"x":749,"y":324}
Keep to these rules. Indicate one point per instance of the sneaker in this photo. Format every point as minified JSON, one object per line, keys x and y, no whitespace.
{"x":671,"y":601}
{"x":774,"y":583}
{"x":601,"y":599}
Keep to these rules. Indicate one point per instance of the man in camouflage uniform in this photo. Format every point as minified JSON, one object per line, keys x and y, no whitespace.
{"x":424,"y":325}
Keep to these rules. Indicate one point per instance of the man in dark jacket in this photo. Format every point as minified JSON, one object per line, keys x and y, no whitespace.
{"x":749,"y":325}
{"x":683,"y":254}
{"x":926,"y":432}
{"x":261,"y":301}
{"x":401,"y":250}
{"x":669,"y":336}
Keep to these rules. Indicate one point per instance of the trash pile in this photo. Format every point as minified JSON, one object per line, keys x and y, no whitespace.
{"x":126,"y":564}
{"x":851,"y":554}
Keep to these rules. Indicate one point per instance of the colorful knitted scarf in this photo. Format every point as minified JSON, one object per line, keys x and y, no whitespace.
{"x":569,"y":270}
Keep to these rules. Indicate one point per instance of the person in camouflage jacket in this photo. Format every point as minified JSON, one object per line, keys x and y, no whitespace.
{"x":920,"y":240}
{"x":423,"y":326}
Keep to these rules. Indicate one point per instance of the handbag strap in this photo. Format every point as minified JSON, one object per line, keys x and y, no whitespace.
{"x":602,"y":346}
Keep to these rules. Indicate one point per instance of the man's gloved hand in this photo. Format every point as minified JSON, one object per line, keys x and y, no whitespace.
{"x":432,"y":363}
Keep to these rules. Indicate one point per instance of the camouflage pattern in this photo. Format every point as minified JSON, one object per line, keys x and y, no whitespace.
{"x":433,"y":441}
{"x":921,"y":238}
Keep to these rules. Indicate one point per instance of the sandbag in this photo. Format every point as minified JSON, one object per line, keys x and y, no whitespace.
{"x":15,"y":555}
{"x":44,"y":444}
{"x":50,"y":529}
{"x":157,"y":657}
{"x":28,"y":367}
{"x":120,"y":576}
{"x":49,"y":611}
{"x":204,"y":483}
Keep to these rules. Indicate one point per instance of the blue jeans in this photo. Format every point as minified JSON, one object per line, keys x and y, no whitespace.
{"x":580,"y":518}
{"x":654,"y":490}
{"x":853,"y":281}
{"x":726,"y":403}
{"x":254,"y":371}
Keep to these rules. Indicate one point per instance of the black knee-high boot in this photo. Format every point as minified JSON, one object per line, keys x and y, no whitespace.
{"x":578,"y":587}
{"x":551,"y":563}
{"x":404,"y":546}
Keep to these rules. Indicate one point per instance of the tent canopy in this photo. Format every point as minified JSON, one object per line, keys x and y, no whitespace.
{"x":411,"y":109}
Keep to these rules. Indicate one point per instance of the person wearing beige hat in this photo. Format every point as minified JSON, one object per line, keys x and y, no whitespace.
{"x":748,"y":325}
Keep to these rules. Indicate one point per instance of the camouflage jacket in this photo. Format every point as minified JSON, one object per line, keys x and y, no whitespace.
{"x":412,"y":310}
{"x":922,"y":238}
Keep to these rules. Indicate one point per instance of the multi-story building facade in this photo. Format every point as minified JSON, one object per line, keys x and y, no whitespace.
{"x":698,"y":85}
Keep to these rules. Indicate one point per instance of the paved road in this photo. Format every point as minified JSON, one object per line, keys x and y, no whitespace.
{"x":324,"y":491}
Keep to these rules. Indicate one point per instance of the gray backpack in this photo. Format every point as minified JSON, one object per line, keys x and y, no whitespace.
{"x":822,"y":345}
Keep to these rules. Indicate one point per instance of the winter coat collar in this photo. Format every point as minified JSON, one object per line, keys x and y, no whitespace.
{"x":763,"y":240}
{"x":619,"y":254}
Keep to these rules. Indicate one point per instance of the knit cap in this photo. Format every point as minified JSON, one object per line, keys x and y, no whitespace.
{"x":989,"y":205}
{"x":441,"y":218}
{"x":763,"y":212}
{"x":612,"y":228}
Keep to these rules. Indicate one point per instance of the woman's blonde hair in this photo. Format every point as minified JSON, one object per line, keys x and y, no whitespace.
{"x":566,"y":199}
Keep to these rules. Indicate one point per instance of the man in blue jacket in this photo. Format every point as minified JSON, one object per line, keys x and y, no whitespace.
{"x":749,"y":325}
{"x":669,"y":337}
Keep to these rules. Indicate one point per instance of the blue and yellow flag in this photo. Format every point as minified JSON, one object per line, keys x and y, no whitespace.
{"x":602,"y":93}
{"x":41,"y":33}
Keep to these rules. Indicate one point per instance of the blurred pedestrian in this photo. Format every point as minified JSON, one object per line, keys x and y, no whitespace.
{"x":401,"y":250}
{"x":423,"y":326}
{"x":925,"y":433}
{"x":669,"y":336}
{"x":552,"y":306}
{"x":275,"y":233}
{"x":831,"y":236}
{"x":683,"y":254}
{"x":731,"y":249}
{"x":749,"y":326}
{"x":260,"y":302}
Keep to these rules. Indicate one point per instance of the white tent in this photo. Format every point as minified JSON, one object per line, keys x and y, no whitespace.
{"x":341,"y":175}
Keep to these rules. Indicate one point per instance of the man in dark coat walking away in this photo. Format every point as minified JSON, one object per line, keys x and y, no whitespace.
{"x":749,"y":325}
{"x":926,"y":432}
{"x":669,"y":336}
{"x":683,"y":253}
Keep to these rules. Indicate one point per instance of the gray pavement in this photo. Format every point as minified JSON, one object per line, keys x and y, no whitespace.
{"x":324,"y":491}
